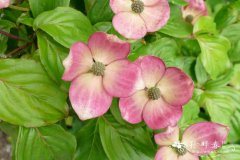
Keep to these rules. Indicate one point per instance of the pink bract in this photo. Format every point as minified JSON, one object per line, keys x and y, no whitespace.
{"x":159,"y":96}
{"x":194,"y":10}
{"x":99,"y":71}
{"x":199,"y":139}
{"x":4,"y":3}
{"x":134,"y":18}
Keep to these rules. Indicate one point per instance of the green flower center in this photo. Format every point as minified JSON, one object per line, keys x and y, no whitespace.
{"x":179,"y":148}
{"x":98,"y":69}
{"x":153,"y":93}
{"x":137,"y":6}
{"x":189,"y":18}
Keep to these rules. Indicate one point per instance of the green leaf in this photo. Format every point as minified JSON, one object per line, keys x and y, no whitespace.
{"x":215,"y":4}
{"x":88,"y":4}
{"x":165,"y":48}
{"x":99,"y":11}
{"x":235,"y":127}
{"x":89,"y":143}
{"x":214,"y":55}
{"x":200,"y":72}
{"x":103,"y":26}
{"x":221,"y":104}
{"x":235,"y":80}
{"x":27,"y":96}
{"x":227,"y":152}
{"x":190,"y":114}
{"x":227,"y":15}
{"x":204,"y":25}
{"x":65,"y":25}
{"x":185,"y":63}
{"x":116,"y":112}
{"x":189,"y":47}
{"x":233,"y":97}
{"x":214,"y":48}
{"x":45,"y":143}
{"x":232,"y":32}
{"x":39,"y":6}
{"x":122,"y":142}
{"x":234,"y":52}
{"x":25,"y":19}
{"x":221,"y":81}
{"x":52,"y":55}
{"x":6,"y":27}
{"x":176,"y":26}
{"x":219,"y":110}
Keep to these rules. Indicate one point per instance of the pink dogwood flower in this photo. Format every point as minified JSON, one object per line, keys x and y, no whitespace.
{"x":160,"y":94}
{"x":134,"y":18}
{"x":99,"y":71}
{"x":194,"y":10}
{"x":199,"y":139}
{"x":4,"y":3}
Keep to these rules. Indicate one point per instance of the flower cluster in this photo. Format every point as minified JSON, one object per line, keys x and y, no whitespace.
{"x":4,"y":3}
{"x":147,"y":89}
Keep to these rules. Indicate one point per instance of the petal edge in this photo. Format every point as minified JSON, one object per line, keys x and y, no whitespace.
{"x":78,"y":61}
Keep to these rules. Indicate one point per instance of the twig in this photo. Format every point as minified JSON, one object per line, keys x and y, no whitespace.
{"x":11,"y":35}
{"x":19,"y":8}
{"x":12,"y":53}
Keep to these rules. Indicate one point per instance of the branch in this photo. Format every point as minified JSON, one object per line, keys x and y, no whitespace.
{"x":19,"y":8}
{"x":11,"y":36}
{"x":12,"y":53}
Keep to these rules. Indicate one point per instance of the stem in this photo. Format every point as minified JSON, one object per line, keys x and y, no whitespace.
{"x":19,"y":8}
{"x":12,"y":53}
{"x":11,"y":35}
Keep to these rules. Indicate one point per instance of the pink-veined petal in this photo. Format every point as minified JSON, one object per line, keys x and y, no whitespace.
{"x":152,"y":69}
{"x":204,"y":137}
{"x":130,"y":25}
{"x":4,"y":3}
{"x":150,"y":2}
{"x":176,"y":87}
{"x":156,"y":16}
{"x":107,"y":48}
{"x":88,"y":97}
{"x":120,"y":78}
{"x":195,"y":8}
{"x":166,"y":153}
{"x":131,"y":107}
{"x":168,"y":137}
{"x":158,"y":114}
{"x":188,"y":156}
{"x":78,"y":61}
{"x":121,"y":5}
